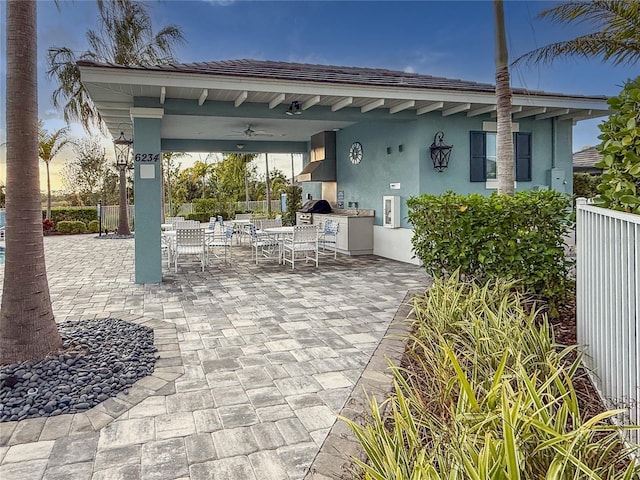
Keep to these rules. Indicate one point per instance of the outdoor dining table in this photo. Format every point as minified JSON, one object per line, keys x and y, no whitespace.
{"x":280,"y":233}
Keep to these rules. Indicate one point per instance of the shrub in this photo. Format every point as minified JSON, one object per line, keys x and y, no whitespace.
{"x":585,"y":185}
{"x":484,"y":392}
{"x":94,"y":226}
{"x":620,"y":148}
{"x":85,"y":214}
{"x":294,"y":203}
{"x":513,"y":237}
{"x":67,"y":226}
{"x":201,"y":217}
{"x":47,"y":226}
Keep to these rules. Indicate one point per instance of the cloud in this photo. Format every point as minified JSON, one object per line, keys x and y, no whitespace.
{"x":409,"y":69}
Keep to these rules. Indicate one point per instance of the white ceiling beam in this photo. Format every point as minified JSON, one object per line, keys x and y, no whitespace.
{"x":530,"y":113}
{"x":482,"y":110}
{"x":277,"y":100}
{"x":311,"y":102}
{"x":113,"y":105}
{"x":340,"y":104}
{"x":203,"y":96}
{"x":402,"y":106}
{"x":241,"y":98}
{"x":576,"y":114}
{"x":552,"y":113}
{"x":457,"y":109}
{"x":430,"y":108}
{"x":163,"y":94}
{"x":372,"y":105}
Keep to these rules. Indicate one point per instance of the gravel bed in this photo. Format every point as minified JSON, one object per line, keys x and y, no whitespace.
{"x":100,"y":358}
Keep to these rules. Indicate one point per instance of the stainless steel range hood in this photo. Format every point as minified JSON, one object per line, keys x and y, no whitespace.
{"x":322,"y":164}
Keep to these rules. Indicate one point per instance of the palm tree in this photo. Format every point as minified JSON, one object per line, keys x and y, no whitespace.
{"x":504,"y":140}
{"x":616,"y":37}
{"x":27,"y":326}
{"x":125,"y":37}
{"x":49,"y":145}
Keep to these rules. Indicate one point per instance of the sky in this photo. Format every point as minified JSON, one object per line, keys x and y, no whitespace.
{"x":452,"y":39}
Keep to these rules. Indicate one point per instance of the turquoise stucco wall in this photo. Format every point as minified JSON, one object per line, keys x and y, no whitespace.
{"x":413,"y":169}
{"x":148,"y":255}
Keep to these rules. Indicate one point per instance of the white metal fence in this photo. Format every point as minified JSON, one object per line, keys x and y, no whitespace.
{"x":608,"y":307}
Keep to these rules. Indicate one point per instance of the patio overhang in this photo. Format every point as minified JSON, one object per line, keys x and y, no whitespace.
{"x":209,"y":106}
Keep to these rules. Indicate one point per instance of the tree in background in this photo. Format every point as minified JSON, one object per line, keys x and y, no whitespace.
{"x":616,"y":37}
{"x":620,"y":182}
{"x":125,"y":36}
{"x":49,"y":145}
{"x":90,"y":176}
{"x":170,"y":175}
{"x":235,"y":177}
{"x":27,"y":326}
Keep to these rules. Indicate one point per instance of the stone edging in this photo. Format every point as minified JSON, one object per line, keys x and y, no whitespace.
{"x":334,"y":460}
{"x":167,"y":369}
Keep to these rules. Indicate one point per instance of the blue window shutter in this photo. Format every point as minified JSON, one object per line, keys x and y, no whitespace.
{"x":523,"y":157}
{"x":478,"y":157}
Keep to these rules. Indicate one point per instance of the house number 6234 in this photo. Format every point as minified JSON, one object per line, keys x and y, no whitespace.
{"x":147,"y":157}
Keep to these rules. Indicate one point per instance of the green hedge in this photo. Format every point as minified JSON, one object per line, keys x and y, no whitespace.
{"x":514,"y":237}
{"x":586,"y":185}
{"x":201,"y":217}
{"x":72,"y":214}
{"x":94,"y":226}
{"x":213,"y":208}
{"x":66,"y":226}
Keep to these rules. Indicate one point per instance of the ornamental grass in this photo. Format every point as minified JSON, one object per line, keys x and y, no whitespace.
{"x":485,"y":393}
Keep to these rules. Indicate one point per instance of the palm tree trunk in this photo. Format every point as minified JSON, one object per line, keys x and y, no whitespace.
{"x":27,"y":326}
{"x":48,"y":191}
{"x":504,"y":153}
{"x":123,"y":216}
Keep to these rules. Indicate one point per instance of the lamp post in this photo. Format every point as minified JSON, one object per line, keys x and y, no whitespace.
{"x":122,"y":147}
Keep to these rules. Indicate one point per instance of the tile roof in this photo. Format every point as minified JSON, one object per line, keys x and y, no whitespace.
{"x":586,"y":158}
{"x":327,"y":74}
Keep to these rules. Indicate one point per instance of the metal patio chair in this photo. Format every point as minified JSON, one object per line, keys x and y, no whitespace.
{"x":327,"y":238}
{"x":304,"y":240}
{"x":189,"y":241}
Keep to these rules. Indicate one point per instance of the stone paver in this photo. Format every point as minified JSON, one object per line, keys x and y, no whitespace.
{"x":254,"y":364}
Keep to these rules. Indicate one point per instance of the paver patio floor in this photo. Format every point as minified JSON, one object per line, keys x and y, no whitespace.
{"x":255,"y":363}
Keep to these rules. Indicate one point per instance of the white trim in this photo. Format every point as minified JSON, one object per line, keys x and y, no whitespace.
{"x":492,"y":184}
{"x":277,"y":100}
{"x":577,"y":114}
{"x":144,"y":112}
{"x":430,"y":108}
{"x":203,"y":96}
{"x":553,"y":113}
{"x":241,"y":98}
{"x":402,"y":106}
{"x":481,"y":110}
{"x":340,"y":104}
{"x":163,"y":94}
{"x":311,"y":102}
{"x":101,"y":75}
{"x":113,"y":106}
{"x":457,"y":109}
{"x":530,"y":113}
{"x":372,"y":105}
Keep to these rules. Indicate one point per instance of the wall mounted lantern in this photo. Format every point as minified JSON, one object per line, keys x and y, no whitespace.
{"x":294,"y":109}
{"x":440,"y":152}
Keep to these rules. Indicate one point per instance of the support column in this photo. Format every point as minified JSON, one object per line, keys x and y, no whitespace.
{"x":147,"y":159}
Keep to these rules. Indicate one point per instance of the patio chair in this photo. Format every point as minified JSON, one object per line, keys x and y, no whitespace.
{"x":303,"y":240}
{"x":190,"y":241}
{"x":262,"y":243}
{"x":243,"y":216}
{"x":223,"y":242}
{"x":327,"y":238}
{"x":271,"y":222}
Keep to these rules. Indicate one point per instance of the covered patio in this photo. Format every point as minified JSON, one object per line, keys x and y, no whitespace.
{"x":255,"y":364}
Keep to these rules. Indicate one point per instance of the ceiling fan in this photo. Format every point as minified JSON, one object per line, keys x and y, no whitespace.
{"x":250,"y":132}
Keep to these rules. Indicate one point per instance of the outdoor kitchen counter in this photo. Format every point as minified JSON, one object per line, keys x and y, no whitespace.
{"x":355,"y":235}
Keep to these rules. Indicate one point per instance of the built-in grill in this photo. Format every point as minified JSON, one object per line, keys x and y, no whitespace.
{"x":305,"y":214}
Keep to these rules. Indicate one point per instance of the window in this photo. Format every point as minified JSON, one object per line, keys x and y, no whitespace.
{"x":483,"y":156}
